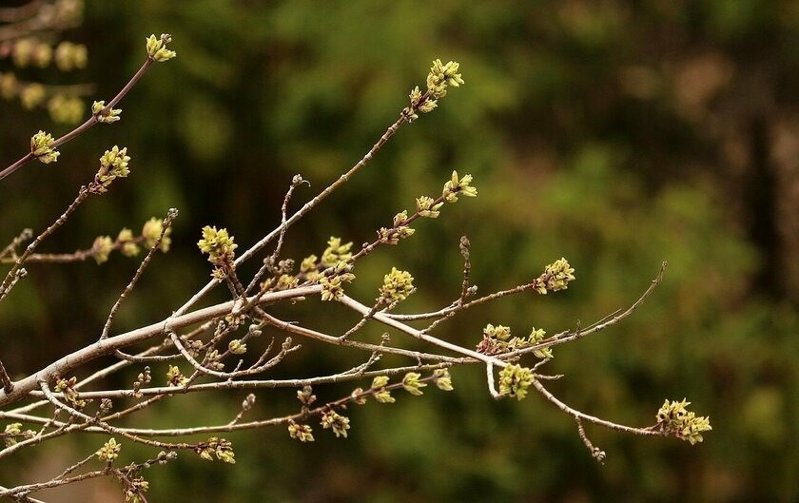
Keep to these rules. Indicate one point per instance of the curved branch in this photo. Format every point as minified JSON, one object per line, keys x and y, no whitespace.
{"x":70,"y":362}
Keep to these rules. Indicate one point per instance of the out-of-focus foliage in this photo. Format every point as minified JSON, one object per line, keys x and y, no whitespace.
{"x":617,"y":134}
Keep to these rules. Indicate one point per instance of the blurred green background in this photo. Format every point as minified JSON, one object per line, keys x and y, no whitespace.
{"x":617,"y":134}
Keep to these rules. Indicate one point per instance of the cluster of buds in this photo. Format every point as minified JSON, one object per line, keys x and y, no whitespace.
{"x":105,"y":114}
{"x":336,"y":252}
{"x":109,"y":451}
{"x":113,"y":165}
{"x":379,"y":390}
{"x":152,"y":230}
{"x":309,"y":268}
{"x":335,"y":421}
{"x":13,"y":431}
{"x":70,"y":56}
{"x":497,"y":340}
{"x":65,"y":108}
{"x":333,"y":286}
{"x":156,"y":48}
{"x":428,"y":207}
{"x":397,"y":286}
{"x":218,"y":245}
{"x":674,"y":418}
{"x":400,"y":230}
{"x":458,"y":186}
{"x":128,"y":244}
{"x":174,"y":377}
{"x":216,"y":447}
{"x":301,"y":432}
{"x":514,"y":381}
{"x":63,"y":103}
{"x":42,"y":148}
{"x":30,"y":51}
{"x":556,"y":276}
{"x":67,"y":387}
{"x":441,"y":77}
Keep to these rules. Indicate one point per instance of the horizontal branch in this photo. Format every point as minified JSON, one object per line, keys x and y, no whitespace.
{"x":235,"y":385}
{"x":70,"y":362}
{"x":420,"y":334}
{"x":576,"y":414}
{"x":307,"y":207}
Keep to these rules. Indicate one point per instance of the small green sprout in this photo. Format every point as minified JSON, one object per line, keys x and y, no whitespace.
{"x":156,"y":48}
{"x":129,"y":248}
{"x":392,"y":236}
{"x":336,"y":252}
{"x":333,"y":288}
{"x":216,"y":447}
{"x":397,"y":286}
{"x":65,"y":109}
{"x":675,"y":418}
{"x":536,"y":336}
{"x":174,"y":377}
{"x":497,"y":340}
{"x":308,"y":264}
{"x":441,"y":76}
{"x":237,"y":347}
{"x":69,"y":56}
{"x":101,"y":249}
{"x":42,"y":148}
{"x":442,"y":379}
{"x":427,"y":207}
{"x":412,"y":385}
{"x":556,"y":276}
{"x":109,"y":451}
{"x":338,"y":423}
{"x":135,"y":489}
{"x":113,"y":165}
{"x":514,"y":380}
{"x":309,"y":267}
{"x":500,"y":332}
{"x":67,"y":387}
{"x":12,"y":431}
{"x":218,"y":244}
{"x":152,"y":230}
{"x":108,"y":117}
{"x":458,"y":187}
{"x":381,"y":394}
{"x":301,"y":432}
{"x":286,"y":282}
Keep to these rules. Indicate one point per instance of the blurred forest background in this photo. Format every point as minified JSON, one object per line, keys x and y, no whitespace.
{"x":615,"y":133}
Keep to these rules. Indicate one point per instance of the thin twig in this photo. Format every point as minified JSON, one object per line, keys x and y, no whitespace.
{"x":272,"y":259}
{"x":592,"y":419}
{"x":83,"y":193}
{"x":346,"y":376}
{"x":10,"y":249}
{"x":467,"y":267}
{"x":301,"y":212}
{"x":166,"y":225}
{"x":8,"y":386}
{"x":91,"y":121}
{"x":68,"y":363}
{"x":419,"y":334}
{"x":573,"y":335}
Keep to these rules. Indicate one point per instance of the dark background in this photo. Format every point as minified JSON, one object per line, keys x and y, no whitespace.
{"x":617,"y":134}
